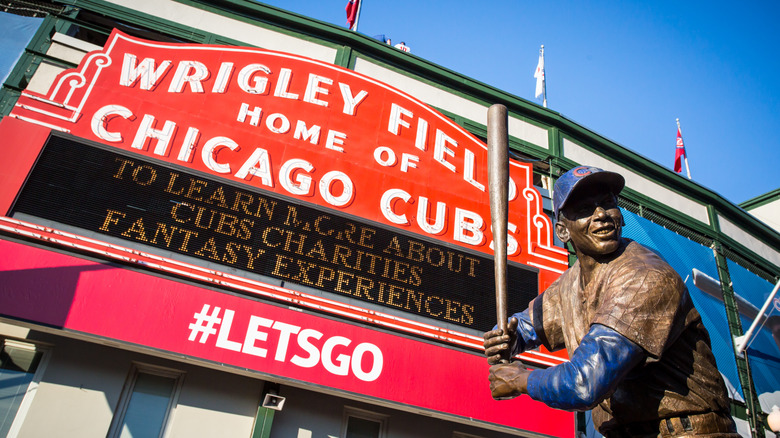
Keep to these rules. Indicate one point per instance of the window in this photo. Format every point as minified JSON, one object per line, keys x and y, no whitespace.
{"x":146,"y":403}
{"x":21,"y":367}
{"x":363,"y":424}
{"x":464,"y":435}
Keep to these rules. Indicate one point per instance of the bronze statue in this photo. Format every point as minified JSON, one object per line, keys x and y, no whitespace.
{"x":640,"y":356}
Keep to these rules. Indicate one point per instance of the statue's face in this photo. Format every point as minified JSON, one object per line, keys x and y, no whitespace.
{"x":592,"y":221}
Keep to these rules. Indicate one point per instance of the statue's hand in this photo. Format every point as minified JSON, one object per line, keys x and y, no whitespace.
{"x":498,"y":344}
{"x":508,"y":380}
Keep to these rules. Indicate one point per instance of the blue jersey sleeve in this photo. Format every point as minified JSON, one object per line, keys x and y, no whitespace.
{"x":526,"y":335}
{"x":602,"y":360}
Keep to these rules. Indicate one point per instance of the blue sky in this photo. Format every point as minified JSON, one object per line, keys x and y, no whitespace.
{"x":15,"y":33}
{"x":625,"y":70}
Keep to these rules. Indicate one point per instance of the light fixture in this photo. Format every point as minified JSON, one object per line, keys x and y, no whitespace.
{"x":741,"y":342}
{"x":773,"y":419}
{"x":712,"y":287}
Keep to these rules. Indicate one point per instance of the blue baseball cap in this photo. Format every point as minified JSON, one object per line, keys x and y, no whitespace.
{"x":581,"y":176}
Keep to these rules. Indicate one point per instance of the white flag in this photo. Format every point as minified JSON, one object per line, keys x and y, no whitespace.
{"x":539,"y":74}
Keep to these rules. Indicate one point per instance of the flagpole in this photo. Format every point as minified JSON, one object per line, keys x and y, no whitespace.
{"x":544,"y":81}
{"x":357,"y":16}
{"x":685,"y":156}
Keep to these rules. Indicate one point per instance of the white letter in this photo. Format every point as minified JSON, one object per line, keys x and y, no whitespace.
{"x":440,"y":148}
{"x":467,"y":221}
{"x":207,"y":154}
{"x":357,"y":358}
{"x":335,"y":140}
{"x":223,"y":77}
{"x":342,"y":359}
{"x":258,"y":164}
{"x":285,"y":330}
{"x":270,"y":123}
{"x":255,"y":114}
{"x":386,"y":202}
{"x":101,"y":117}
{"x":301,"y":133}
{"x":224,"y":332}
{"x":283,"y":86}
{"x":188,"y":145}
{"x":252,"y":335}
{"x":260,"y":82}
{"x":396,"y":120}
{"x":512,"y":246}
{"x":313,"y":88}
{"x":346,"y":195}
{"x":390,"y":161}
{"x":145,"y":70}
{"x":512,"y":190}
{"x":421,"y":141}
{"x":303,"y":342}
{"x":350,"y":103}
{"x":408,"y":160}
{"x":163,"y":136}
{"x":468,"y":172}
{"x":422,"y":216}
{"x":302,"y":184}
{"x":189,"y":71}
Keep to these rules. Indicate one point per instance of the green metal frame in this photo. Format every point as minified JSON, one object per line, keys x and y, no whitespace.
{"x":735,"y":326}
{"x":264,"y":420}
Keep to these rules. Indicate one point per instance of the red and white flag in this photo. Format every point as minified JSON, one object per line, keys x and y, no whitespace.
{"x":353,"y":6}
{"x":679,"y":154}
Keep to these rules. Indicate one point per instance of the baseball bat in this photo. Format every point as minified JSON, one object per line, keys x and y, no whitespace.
{"x":498,"y":187}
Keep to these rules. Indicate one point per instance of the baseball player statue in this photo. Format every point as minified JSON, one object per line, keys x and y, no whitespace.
{"x":640,"y":356}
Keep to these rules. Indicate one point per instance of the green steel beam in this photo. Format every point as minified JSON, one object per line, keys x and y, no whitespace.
{"x":735,"y":328}
{"x":263,"y":422}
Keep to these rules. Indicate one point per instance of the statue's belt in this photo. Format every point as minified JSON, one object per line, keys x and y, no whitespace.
{"x":696,"y":424}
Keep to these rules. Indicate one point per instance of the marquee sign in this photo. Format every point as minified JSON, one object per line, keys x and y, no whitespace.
{"x":300,"y":128}
{"x":144,"y":201}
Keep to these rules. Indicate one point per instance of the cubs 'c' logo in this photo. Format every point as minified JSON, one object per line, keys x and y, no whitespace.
{"x":581,"y":171}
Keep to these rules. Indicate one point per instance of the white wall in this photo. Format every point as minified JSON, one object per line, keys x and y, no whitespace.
{"x":768,"y":214}
{"x":83,"y":381}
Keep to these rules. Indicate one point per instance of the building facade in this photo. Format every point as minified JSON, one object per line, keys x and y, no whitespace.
{"x":223,"y":219}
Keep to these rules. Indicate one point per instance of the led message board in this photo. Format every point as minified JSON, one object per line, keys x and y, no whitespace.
{"x":176,"y":209}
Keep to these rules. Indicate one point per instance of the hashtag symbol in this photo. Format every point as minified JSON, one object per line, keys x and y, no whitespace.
{"x":204,"y":323}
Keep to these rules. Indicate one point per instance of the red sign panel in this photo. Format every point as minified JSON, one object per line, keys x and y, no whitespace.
{"x":301,"y":128}
{"x":109,"y":301}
